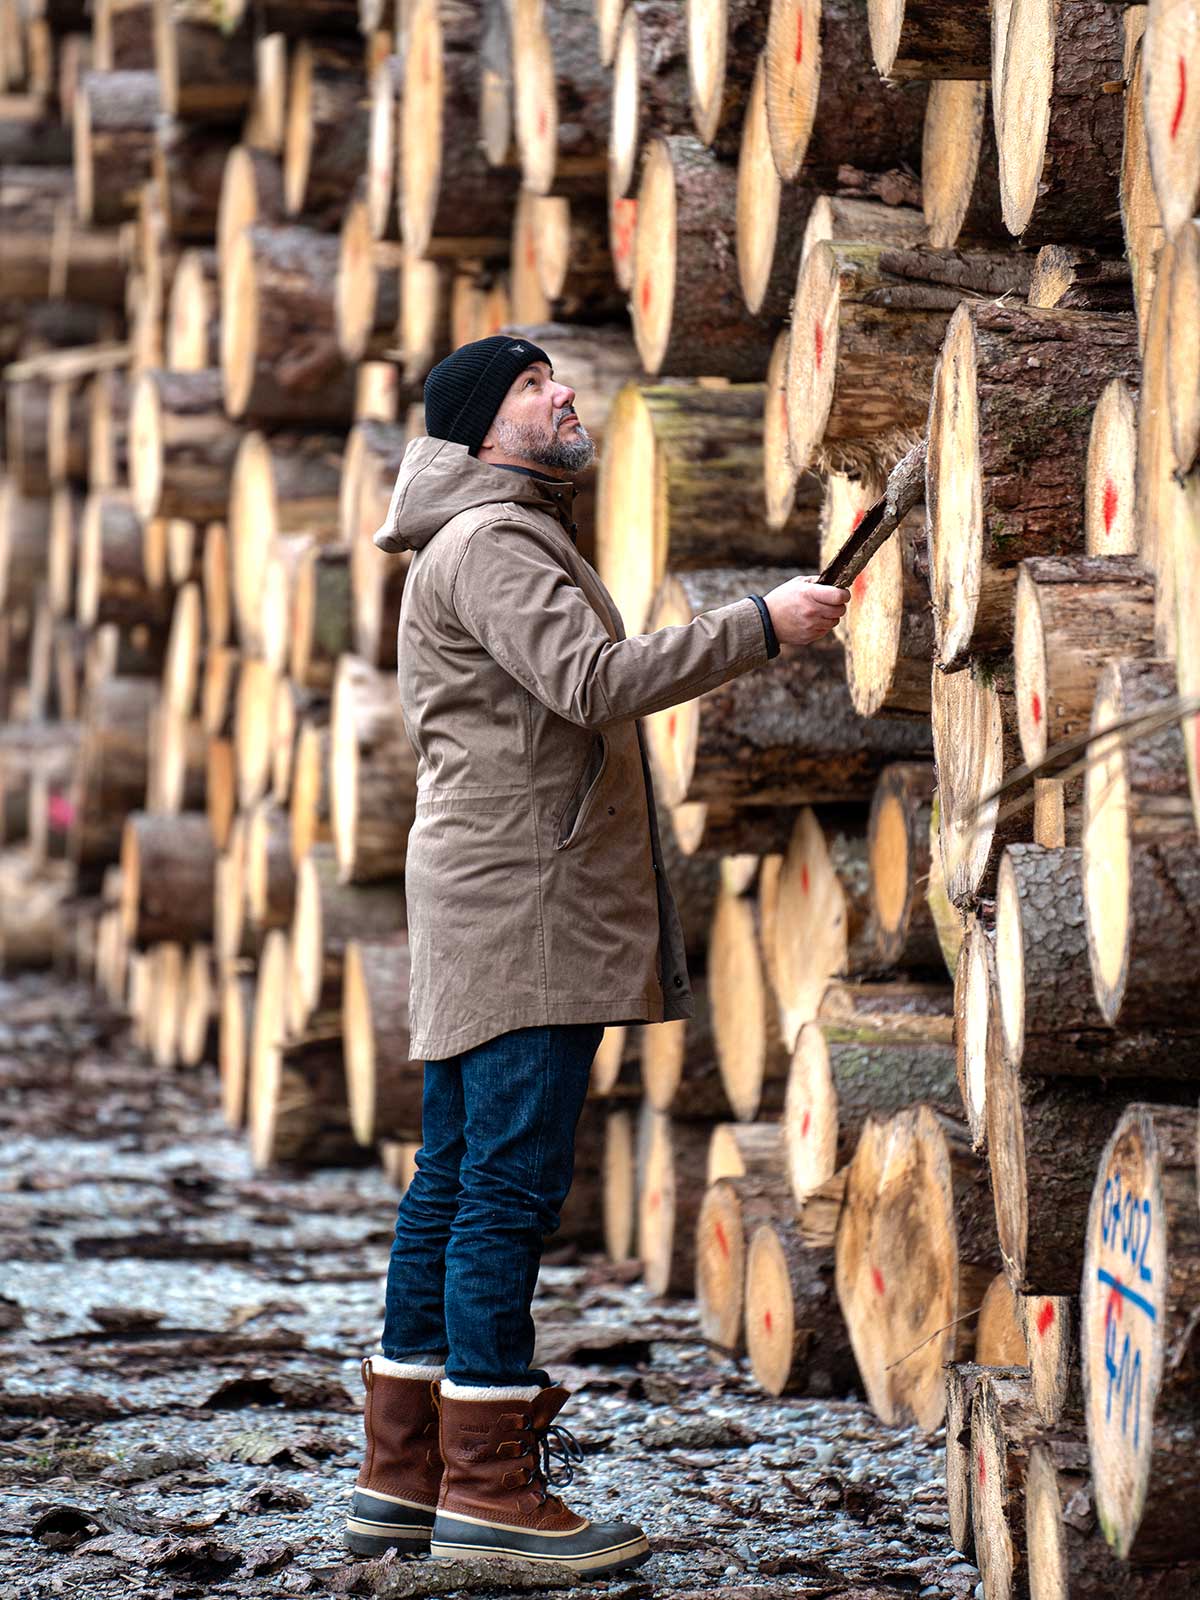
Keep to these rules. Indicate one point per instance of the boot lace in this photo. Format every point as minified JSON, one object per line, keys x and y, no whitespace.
{"x":552,"y":1446}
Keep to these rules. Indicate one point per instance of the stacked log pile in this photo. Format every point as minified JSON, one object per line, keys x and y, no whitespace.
{"x":932,"y":1129}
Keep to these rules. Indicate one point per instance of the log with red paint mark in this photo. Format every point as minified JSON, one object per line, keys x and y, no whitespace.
{"x":875,"y":1049}
{"x":906,"y":1291}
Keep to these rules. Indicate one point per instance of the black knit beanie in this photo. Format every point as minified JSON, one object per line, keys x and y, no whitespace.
{"x":463,"y":392}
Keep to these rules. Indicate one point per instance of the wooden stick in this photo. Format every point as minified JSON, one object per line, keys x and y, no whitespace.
{"x":905,"y":489}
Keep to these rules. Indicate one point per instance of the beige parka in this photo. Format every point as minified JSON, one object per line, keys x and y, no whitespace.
{"x":534,"y":880}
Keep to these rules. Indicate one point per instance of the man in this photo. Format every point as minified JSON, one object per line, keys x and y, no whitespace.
{"x":538,"y":911}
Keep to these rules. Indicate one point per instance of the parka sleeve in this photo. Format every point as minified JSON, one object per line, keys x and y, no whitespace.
{"x":513,"y":596}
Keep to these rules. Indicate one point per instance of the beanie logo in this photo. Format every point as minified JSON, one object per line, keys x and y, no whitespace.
{"x":516,"y":349}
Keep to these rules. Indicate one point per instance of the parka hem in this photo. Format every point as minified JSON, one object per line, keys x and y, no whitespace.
{"x":437,"y":1047}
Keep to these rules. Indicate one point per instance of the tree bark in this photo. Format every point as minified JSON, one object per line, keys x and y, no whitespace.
{"x":167,"y":866}
{"x":689,"y":318}
{"x":1045,"y":1136}
{"x":114,"y":121}
{"x":929,"y":39}
{"x":1060,"y":184}
{"x":826,"y":104}
{"x":183,"y":446}
{"x":1058,"y":657}
{"x":1008,"y":427}
{"x":281,"y":361}
{"x":207,"y":72}
{"x":840,"y":1076}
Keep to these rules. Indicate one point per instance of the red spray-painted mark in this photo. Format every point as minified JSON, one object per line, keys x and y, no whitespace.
{"x":541,"y":122}
{"x":1115,"y":1299}
{"x":530,"y":255}
{"x":624,"y":216}
{"x":1045,"y":1319}
{"x":982,"y":1468}
{"x":767,"y":1320}
{"x":655,"y":1200}
{"x":1110,"y":504}
{"x":1035,"y":706}
{"x":671,"y":723}
{"x":877,"y":1279}
{"x":818,"y":342}
{"x":859,"y":587}
{"x":799,"y":38}
{"x":1177,"y":118}
{"x":805,"y":1124}
{"x":722,"y":1241}
{"x":645,"y":295}
{"x":804,"y":879}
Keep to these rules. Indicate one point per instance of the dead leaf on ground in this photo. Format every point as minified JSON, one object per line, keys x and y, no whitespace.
{"x":293,"y":1391}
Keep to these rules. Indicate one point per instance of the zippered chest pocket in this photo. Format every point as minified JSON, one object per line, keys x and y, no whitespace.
{"x":579,"y":803}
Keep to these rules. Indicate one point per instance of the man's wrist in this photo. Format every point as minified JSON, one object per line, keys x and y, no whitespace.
{"x":768,"y":626}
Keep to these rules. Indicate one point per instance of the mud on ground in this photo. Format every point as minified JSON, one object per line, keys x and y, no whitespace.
{"x":180,"y":1343}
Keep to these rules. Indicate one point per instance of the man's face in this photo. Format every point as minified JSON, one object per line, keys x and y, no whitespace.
{"x":536,"y":425}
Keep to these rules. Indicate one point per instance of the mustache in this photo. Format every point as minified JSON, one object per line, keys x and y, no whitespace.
{"x":563,"y":412}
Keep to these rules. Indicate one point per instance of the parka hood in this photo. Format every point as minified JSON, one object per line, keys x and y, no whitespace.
{"x":438,"y":480}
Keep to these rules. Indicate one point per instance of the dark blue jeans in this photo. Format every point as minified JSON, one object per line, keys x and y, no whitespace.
{"x":495,"y":1163}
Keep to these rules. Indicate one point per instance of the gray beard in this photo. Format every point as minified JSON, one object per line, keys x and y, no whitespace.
{"x":531,"y":444}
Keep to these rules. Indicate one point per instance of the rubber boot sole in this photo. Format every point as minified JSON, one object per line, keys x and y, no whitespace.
{"x":378,"y":1523}
{"x":455,"y":1537}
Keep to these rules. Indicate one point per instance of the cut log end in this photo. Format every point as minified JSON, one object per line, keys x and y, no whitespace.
{"x":653,"y":286}
{"x":1171,"y":67}
{"x":812,"y":353}
{"x":793,"y":60}
{"x":1142,"y":1232}
{"x":759,"y":193}
{"x":1109,"y":521}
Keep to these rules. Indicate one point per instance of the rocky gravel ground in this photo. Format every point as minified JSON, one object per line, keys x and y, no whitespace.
{"x":180,"y":1343}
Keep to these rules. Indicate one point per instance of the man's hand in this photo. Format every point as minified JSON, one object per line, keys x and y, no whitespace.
{"x":803,"y":610}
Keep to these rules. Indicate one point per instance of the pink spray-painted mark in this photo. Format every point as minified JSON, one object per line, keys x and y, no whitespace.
{"x":60,"y":811}
{"x":982,"y":1468}
{"x":804,"y":879}
{"x":722,"y":1240}
{"x":1110,"y":504}
{"x":805,"y":1124}
{"x":645,"y":295}
{"x":1035,"y":706}
{"x":1045,"y":1319}
{"x":799,"y":39}
{"x":1177,"y":118}
{"x":877,"y":1279}
{"x":818,"y":342}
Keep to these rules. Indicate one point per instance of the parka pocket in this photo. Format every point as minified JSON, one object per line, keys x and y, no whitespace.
{"x":579,"y":803}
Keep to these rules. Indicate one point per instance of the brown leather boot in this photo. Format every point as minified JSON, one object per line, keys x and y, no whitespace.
{"x":397,"y":1490}
{"x":495,"y":1497}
